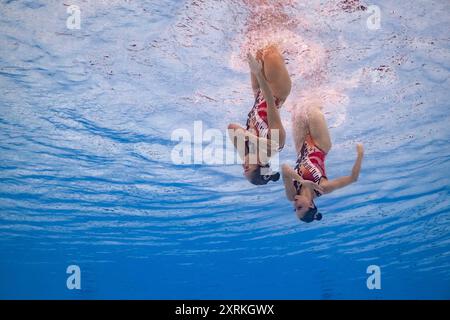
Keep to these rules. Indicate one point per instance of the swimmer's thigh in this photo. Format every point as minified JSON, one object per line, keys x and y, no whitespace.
{"x":276,"y":73}
{"x":318,"y":129}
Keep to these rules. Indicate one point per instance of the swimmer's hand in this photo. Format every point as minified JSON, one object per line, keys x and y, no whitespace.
{"x":360,"y":149}
{"x":255,"y":65}
{"x":310,"y":184}
{"x":313,"y":186}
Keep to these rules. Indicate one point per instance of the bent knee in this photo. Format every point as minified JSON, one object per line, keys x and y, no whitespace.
{"x":315,"y":111}
{"x":327,"y":146}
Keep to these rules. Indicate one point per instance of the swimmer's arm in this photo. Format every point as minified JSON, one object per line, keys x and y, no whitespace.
{"x":255,"y":84}
{"x":273,"y":115}
{"x":289,"y":175}
{"x":266,"y":91}
{"x":239,"y":135}
{"x":330,"y":186}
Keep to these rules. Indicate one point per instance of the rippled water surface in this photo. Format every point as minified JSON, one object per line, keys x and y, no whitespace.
{"x":85,"y":136}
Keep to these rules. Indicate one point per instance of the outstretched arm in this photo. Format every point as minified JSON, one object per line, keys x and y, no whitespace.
{"x":331,"y":185}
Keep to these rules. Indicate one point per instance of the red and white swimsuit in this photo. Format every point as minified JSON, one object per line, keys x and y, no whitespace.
{"x":310,"y":163}
{"x":257,"y":122}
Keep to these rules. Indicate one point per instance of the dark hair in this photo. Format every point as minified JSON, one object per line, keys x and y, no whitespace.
{"x":312,"y":215}
{"x":258,"y":178}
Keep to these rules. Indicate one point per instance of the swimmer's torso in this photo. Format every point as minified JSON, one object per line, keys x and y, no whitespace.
{"x":257,"y":122}
{"x":310,"y":163}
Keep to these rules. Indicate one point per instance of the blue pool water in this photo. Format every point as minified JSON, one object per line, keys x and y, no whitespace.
{"x":86,"y":176}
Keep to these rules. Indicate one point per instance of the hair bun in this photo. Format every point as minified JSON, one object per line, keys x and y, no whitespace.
{"x":275,"y":177}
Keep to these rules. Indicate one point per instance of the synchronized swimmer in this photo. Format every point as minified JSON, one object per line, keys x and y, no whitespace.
{"x":308,"y":180}
{"x":271,"y":86}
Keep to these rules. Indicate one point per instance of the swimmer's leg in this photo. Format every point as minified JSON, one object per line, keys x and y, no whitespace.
{"x":318,"y":129}
{"x":299,"y":129}
{"x":275,"y":72}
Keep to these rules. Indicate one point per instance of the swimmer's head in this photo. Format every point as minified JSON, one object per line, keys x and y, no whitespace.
{"x":254,"y":175}
{"x":306,"y":209}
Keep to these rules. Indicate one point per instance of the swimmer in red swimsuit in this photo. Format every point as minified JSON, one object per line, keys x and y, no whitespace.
{"x":308,"y":179}
{"x":264,"y":133}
